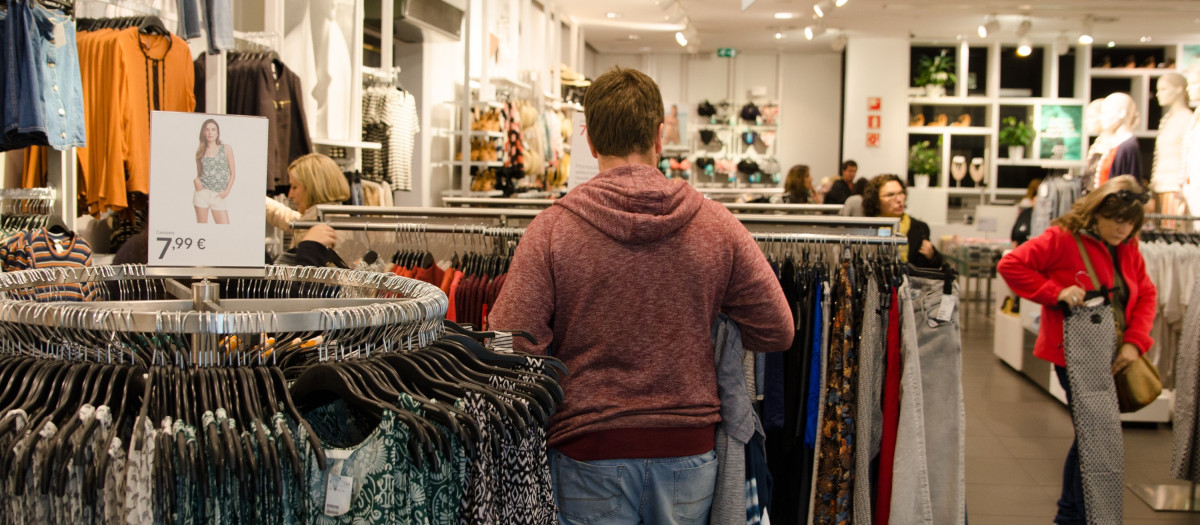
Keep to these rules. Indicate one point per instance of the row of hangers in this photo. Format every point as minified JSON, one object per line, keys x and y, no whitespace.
{"x":148,"y":24}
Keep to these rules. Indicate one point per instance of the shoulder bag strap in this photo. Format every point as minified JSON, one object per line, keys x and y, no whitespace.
{"x":1087,"y":261}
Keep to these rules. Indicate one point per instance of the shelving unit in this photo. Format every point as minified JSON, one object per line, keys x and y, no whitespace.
{"x":1061,"y":85}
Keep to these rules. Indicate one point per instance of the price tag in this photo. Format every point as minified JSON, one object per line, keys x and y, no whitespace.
{"x":946,"y":309}
{"x":337,"y":494}
{"x":208,"y":175}
{"x":339,"y":489}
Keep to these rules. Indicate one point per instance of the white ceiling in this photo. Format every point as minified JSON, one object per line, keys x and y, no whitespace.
{"x":722,"y":23}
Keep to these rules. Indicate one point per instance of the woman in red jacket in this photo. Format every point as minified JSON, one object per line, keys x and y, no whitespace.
{"x":1049,"y":270}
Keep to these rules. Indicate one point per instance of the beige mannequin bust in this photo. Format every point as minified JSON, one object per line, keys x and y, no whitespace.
{"x":1166,"y":177}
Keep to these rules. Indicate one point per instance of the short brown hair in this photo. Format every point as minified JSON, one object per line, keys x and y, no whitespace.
{"x":623,"y":109}
{"x":796,"y":185}
{"x":871,"y":205}
{"x":321,"y":178}
{"x":1107,"y":201}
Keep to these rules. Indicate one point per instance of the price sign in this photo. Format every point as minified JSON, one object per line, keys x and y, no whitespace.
{"x":208,"y":176}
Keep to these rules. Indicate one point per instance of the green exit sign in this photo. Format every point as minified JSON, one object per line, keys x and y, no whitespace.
{"x":726,"y":52}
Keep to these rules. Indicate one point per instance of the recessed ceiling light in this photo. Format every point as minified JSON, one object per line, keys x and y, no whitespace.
{"x":633,"y":36}
{"x":784,"y":16}
{"x":840,"y":3}
{"x":1145,"y":39}
{"x":778,"y":36}
{"x":613,"y":14}
{"x":1112,"y":44}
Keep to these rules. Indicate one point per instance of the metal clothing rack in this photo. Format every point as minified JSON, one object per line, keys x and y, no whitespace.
{"x":823,"y":238}
{"x":339,"y":305}
{"x":412,"y":227}
{"x":488,"y":202}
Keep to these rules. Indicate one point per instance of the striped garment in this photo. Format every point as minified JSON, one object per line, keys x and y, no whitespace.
{"x":36,"y":249}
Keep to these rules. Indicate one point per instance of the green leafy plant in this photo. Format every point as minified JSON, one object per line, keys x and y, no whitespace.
{"x":1015,"y":132}
{"x":936,"y":71}
{"x":924,"y":159}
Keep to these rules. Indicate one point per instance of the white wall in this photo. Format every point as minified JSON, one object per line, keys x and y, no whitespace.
{"x":877,"y":67}
{"x":810,"y":113}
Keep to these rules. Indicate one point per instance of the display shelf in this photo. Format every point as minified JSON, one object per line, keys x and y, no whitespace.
{"x":949,"y":101}
{"x":1128,"y":72}
{"x":1044,"y":163}
{"x":949,"y":130}
{"x":338,"y":143}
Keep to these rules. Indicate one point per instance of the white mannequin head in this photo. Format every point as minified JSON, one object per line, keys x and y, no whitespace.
{"x":1193,"y":80}
{"x":1091,"y":117}
{"x":1118,"y":111}
{"x":1172,"y":90}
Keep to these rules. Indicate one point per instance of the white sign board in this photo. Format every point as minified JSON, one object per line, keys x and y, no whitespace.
{"x":208,"y":176}
{"x":583,"y":165}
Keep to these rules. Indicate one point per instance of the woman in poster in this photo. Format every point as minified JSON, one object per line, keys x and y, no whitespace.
{"x":215,"y":174}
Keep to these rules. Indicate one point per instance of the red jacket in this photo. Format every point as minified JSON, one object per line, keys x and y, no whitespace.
{"x":1042,"y":267}
{"x":622,"y":279}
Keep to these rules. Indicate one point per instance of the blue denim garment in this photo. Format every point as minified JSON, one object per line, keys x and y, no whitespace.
{"x":44,"y":93}
{"x":189,"y":18}
{"x":662,"y":491}
{"x":219,"y":23}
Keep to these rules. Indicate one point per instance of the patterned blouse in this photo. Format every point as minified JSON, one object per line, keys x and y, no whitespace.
{"x":215,"y":173}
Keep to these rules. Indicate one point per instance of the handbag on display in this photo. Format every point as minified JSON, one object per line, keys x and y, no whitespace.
{"x":1138,"y":384}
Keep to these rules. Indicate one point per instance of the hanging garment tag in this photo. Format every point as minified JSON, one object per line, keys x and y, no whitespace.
{"x":60,"y":36}
{"x":947,"y":308}
{"x":337,"y":494}
{"x":338,"y":488}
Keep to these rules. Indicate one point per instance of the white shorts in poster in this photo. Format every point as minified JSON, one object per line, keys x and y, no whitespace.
{"x":208,"y":175}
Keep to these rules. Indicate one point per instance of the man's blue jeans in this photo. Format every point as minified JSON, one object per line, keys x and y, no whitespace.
{"x":631,"y":491}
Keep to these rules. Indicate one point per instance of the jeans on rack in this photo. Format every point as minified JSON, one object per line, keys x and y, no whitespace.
{"x":629,"y":491}
{"x":219,"y":23}
{"x":930,"y":464}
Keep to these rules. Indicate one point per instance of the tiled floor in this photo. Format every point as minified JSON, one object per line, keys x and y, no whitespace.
{"x":1018,"y":436}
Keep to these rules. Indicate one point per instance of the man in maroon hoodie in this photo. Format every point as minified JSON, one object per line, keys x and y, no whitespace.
{"x":622,"y":279}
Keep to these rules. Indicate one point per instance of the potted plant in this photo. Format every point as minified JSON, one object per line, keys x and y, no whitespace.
{"x":934,"y":73}
{"x":924,"y":161}
{"x":1016,"y":134}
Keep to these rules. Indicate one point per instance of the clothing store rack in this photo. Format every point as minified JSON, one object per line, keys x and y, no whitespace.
{"x":733,"y":207}
{"x":23,"y":209}
{"x":412,"y":227}
{"x":342,"y":300}
{"x":824,"y":238}
{"x":389,"y":76}
{"x":870,"y":226}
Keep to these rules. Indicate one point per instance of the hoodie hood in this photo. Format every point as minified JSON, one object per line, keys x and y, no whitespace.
{"x":634,"y":204}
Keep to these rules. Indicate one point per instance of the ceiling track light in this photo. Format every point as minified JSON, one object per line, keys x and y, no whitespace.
{"x":1085,"y":37}
{"x":989,"y":26}
{"x":1024,"y":28}
{"x":823,"y":8}
{"x":840,"y":3}
{"x":814,"y":31}
{"x":1025,"y":47}
{"x":681,"y":39}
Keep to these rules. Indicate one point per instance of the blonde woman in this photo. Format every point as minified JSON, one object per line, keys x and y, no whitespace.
{"x":314,"y":179}
{"x":215,"y":173}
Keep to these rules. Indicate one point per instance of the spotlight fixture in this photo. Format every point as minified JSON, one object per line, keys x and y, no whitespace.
{"x":822,"y":8}
{"x":1112,"y":44}
{"x":989,"y":26}
{"x":778,"y":36}
{"x":1144,"y":39}
{"x":1025,"y":47}
{"x":814,"y":31}
{"x":840,"y":3}
{"x":784,"y":16}
{"x":613,"y":14}
{"x":1024,"y":28}
{"x":1085,"y":37}
{"x":681,"y":39}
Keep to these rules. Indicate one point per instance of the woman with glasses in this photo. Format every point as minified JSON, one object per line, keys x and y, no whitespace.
{"x":885,"y":196}
{"x":1050,"y":270}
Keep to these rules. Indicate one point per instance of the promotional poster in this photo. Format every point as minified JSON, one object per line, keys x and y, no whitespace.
{"x":208,"y":175}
